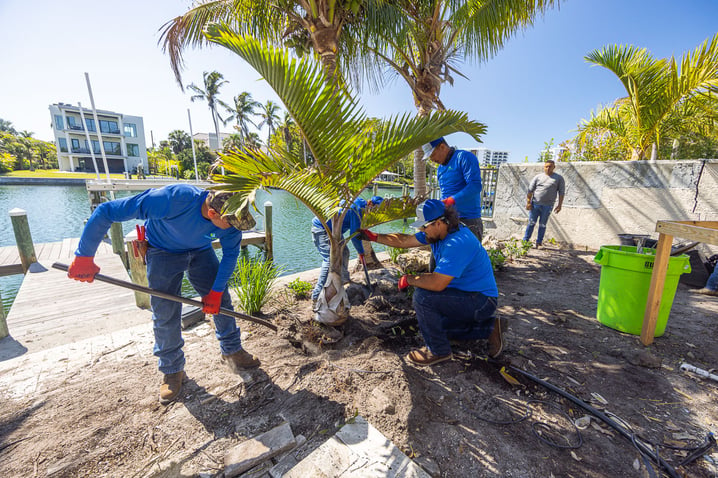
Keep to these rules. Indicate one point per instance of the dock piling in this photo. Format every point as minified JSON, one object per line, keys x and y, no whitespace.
{"x":4,"y":331}
{"x":23,"y":238}
{"x":268,"y":247}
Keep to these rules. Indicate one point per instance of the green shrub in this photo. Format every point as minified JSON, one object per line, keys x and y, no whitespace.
{"x":497,"y":257}
{"x":516,"y":248}
{"x":300,"y":288}
{"x":253,"y":281}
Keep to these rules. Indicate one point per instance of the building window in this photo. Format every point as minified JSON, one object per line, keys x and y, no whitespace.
{"x":96,"y":147}
{"x":130,"y":130}
{"x":109,"y":127}
{"x":133,"y":150}
{"x":112,"y":147}
{"x":90,"y":124}
{"x":75,"y":144}
{"x":73,"y":123}
{"x":63,"y":143}
{"x":59,"y":124}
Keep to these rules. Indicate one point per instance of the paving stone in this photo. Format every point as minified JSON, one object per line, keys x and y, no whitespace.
{"x":330,"y":460}
{"x":258,"y":449}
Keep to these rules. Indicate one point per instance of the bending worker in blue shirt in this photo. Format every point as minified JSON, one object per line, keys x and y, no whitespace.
{"x":181,"y":223}
{"x":458,"y":299}
{"x":459,"y":177}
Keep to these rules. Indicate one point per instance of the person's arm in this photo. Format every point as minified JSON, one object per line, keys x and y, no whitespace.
{"x":354,"y":226}
{"x":395,"y":239}
{"x":472,"y":176}
{"x":230,"y":252}
{"x":561,"y":194}
{"x":530,"y":193}
{"x":433,"y":281}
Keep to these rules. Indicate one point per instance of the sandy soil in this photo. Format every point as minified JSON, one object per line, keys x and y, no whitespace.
{"x":463,"y":414}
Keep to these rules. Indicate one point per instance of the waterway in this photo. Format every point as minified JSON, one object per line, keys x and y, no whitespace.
{"x":58,"y":212}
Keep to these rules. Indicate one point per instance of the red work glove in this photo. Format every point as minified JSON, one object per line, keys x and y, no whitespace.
{"x":83,"y":269}
{"x":367,"y":235}
{"x":403,"y":282}
{"x":211,"y":302}
{"x":449,"y":201}
{"x":361,"y":259}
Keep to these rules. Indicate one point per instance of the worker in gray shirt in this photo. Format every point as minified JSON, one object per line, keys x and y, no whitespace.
{"x":540,"y":199}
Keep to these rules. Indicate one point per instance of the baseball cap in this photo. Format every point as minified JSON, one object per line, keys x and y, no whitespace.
{"x":427,"y":211}
{"x":429,"y":147}
{"x":241,"y":219}
{"x":376,"y":200}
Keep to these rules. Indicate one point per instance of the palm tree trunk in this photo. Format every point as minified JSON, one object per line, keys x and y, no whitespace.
{"x":419,"y":162}
{"x":337,"y":302}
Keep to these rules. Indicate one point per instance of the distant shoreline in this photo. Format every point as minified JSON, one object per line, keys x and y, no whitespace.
{"x":5,"y":181}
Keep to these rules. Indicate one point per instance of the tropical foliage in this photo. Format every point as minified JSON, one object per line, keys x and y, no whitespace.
{"x":213,"y":81}
{"x":666,"y":100}
{"x":349,"y":150}
{"x":19,"y":150}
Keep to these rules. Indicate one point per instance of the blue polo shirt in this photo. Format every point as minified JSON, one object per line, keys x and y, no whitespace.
{"x":460,"y":177}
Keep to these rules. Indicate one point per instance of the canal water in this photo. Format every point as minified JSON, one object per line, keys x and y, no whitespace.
{"x":58,"y":212}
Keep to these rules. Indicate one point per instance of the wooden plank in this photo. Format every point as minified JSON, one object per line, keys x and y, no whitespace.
{"x":9,"y":255}
{"x":10,"y":269}
{"x":702,"y":231}
{"x":66,"y":249}
{"x":655,"y":290}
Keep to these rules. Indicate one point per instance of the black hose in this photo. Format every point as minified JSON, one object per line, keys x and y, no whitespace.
{"x":603,"y":417}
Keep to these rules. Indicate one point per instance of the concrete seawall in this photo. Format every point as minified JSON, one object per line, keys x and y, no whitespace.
{"x":5,"y":181}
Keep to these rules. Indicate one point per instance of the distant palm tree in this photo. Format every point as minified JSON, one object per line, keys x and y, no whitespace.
{"x":253,"y":141}
{"x":7,"y":126}
{"x":243,"y":111}
{"x":25,"y":138}
{"x":212,"y":82}
{"x":233,"y":141}
{"x":665,"y":98}
{"x":270,"y":117}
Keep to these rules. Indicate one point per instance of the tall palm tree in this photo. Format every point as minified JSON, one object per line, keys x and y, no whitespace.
{"x":433,"y":37}
{"x":6,"y":126}
{"x":306,"y":26}
{"x":233,"y":141}
{"x":270,"y":117}
{"x":664,"y":99}
{"x":243,"y":112}
{"x":213,"y":81}
{"x":26,"y":140}
{"x":346,"y":157}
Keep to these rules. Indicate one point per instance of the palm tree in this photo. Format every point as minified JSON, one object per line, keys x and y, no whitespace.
{"x":303,"y":25}
{"x":233,"y":141}
{"x":663,"y":99}
{"x":432,"y":38}
{"x":212,"y":83}
{"x":253,"y":141}
{"x":347,"y":155}
{"x":243,"y":111}
{"x":270,"y":117}
{"x":6,"y":126}
{"x":26,"y":140}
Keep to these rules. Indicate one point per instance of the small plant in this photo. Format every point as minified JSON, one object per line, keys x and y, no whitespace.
{"x":497,"y":257}
{"x":300,"y":288}
{"x":395,"y":252}
{"x":516,"y":248}
{"x":253,"y":281}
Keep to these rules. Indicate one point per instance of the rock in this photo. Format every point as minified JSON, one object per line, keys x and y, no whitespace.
{"x":643,"y":358}
{"x":429,"y":466}
{"x":379,"y":402}
{"x":250,"y":453}
{"x":415,"y":260}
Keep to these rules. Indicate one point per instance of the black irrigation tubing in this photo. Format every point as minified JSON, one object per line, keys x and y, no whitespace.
{"x":645,"y":451}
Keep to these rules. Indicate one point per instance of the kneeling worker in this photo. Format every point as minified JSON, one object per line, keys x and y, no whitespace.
{"x":458,"y":299}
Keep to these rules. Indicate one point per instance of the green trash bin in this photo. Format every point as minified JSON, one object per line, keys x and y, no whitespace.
{"x":623,"y":289}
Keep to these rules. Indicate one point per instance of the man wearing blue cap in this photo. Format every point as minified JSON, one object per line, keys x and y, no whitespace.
{"x":458,"y":299}
{"x":459,"y":177}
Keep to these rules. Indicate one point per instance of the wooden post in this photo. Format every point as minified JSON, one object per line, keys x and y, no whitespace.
{"x":655,"y":290}
{"x":118,"y":242}
{"x":138,"y":274}
{"x":4,"y":332}
{"x":23,"y":238}
{"x":268,"y":247}
{"x":375,"y":190}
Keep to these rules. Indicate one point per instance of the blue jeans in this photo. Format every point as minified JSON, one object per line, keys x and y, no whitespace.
{"x":540,"y":213}
{"x":453,"y":314}
{"x":321,"y":242}
{"x":712,"y":282}
{"x":164,"y":273}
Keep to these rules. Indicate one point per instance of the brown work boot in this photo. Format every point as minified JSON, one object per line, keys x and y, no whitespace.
{"x":171,"y":387}
{"x":241,"y":360}
{"x":497,"y":341}
{"x":707,"y":291}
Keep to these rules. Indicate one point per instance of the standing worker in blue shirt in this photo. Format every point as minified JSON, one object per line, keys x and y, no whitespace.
{"x":458,"y":299}
{"x":543,"y":190}
{"x":351,"y":223}
{"x":181,"y":223}
{"x":459,"y":177}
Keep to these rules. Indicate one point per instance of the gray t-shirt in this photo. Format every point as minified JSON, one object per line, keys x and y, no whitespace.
{"x":545,"y":188}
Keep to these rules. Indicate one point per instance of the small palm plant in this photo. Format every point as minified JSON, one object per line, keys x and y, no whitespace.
{"x":349,"y":149}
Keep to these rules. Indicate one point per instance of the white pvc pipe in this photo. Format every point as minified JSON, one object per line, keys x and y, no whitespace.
{"x":89,"y":141}
{"x":194,"y":157}
{"x":97,"y":125}
{"x":686,"y":367}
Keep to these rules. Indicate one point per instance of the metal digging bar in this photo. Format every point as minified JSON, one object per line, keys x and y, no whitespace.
{"x":164,"y":295}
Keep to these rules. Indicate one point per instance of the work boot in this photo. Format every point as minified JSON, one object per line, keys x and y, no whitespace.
{"x":241,"y":360}
{"x":171,"y":387}
{"x":497,"y":342}
{"x":707,"y":291}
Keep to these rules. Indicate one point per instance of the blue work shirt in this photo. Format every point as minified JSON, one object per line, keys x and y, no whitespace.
{"x":460,"y":177}
{"x":351,"y":223}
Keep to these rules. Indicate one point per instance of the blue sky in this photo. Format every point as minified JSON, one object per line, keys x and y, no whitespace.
{"x":537,"y":88}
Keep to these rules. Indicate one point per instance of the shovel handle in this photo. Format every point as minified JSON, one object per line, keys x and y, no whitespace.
{"x":165,"y":295}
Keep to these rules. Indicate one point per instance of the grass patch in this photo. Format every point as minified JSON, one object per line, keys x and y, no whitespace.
{"x":253,"y":281}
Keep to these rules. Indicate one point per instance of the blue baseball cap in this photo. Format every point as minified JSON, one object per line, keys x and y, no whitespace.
{"x":360,"y":203}
{"x":376,"y":200}
{"x":427,"y":211}
{"x":429,"y":147}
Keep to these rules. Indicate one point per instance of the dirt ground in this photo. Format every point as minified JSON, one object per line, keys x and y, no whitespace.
{"x":463,"y":415}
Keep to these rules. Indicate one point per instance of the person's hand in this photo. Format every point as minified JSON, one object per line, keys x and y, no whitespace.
{"x":450,"y":201}
{"x":367,"y":235}
{"x":528,"y":206}
{"x":83,"y":269}
{"x":558,"y":209}
{"x":403,"y":282}
{"x":211,"y":302}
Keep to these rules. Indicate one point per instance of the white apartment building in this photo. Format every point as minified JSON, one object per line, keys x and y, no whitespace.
{"x":210,"y":139}
{"x":123,"y":138}
{"x":489,"y":157}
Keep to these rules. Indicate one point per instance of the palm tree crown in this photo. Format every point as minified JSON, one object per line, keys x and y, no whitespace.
{"x":212,"y":82}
